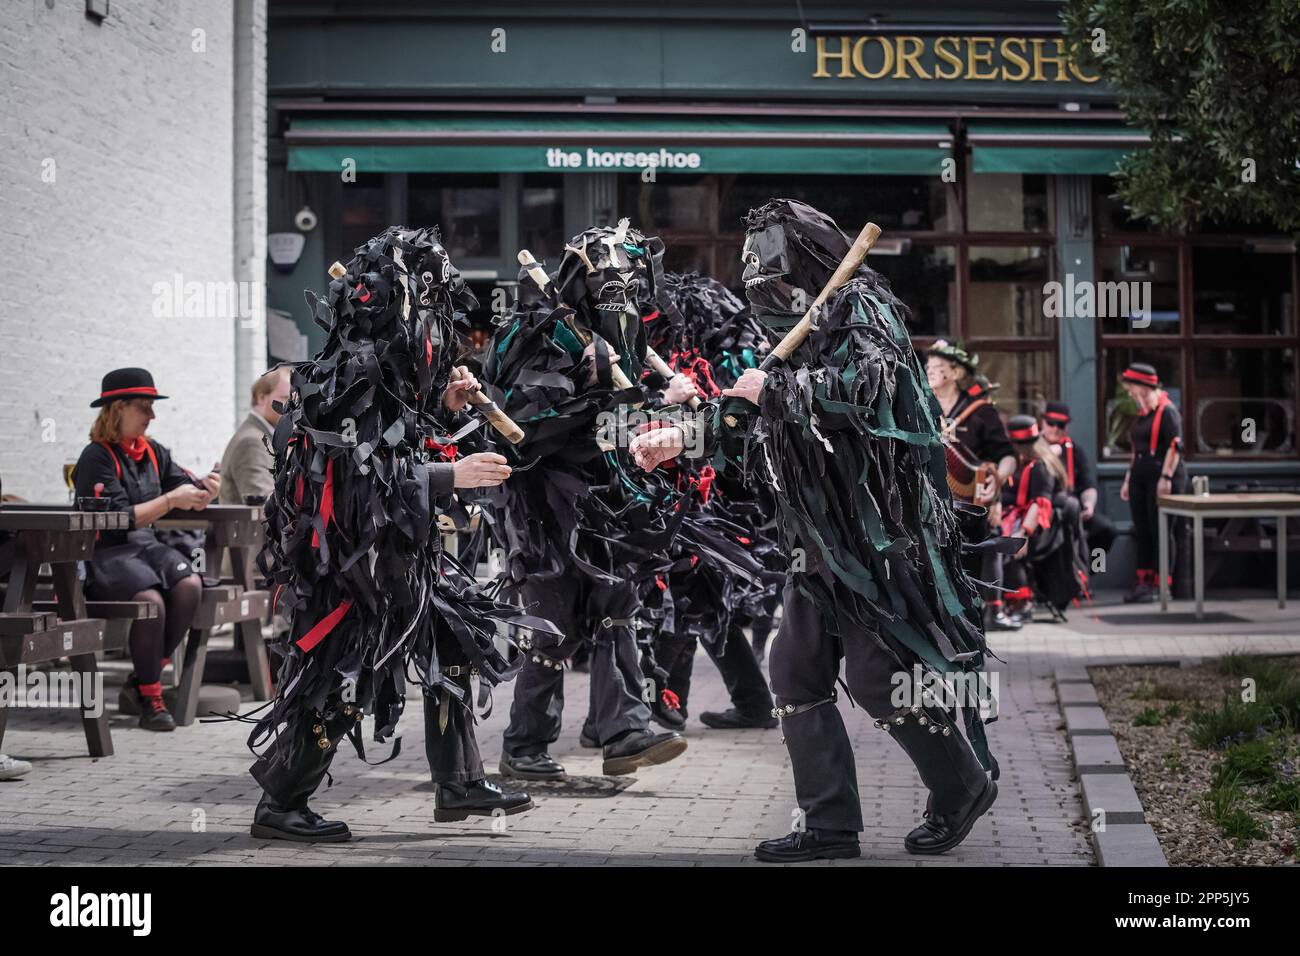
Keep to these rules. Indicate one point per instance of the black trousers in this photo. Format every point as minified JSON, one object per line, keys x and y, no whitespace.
{"x":1100,"y":531}
{"x":293,"y":766}
{"x":804,"y":665}
{"x":620,"y":696}
{"x":1143,"y":480}
{"x":736,"y":662}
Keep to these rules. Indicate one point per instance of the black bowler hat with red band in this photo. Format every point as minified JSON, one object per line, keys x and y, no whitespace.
{"x":123,"y":383}
{"x":1056,"y":413}
{"x":1141,"y":374}
{"x":1022,"y":428}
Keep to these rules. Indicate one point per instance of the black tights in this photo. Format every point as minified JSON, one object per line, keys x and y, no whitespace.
{"x":152,"y":639}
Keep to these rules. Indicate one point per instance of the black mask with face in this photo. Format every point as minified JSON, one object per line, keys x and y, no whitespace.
{"x":789,"y":248}
{"x":606,"y":275}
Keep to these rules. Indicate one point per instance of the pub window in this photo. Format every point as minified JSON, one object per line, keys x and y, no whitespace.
{"x":925,"y":278}
{"x":541,"y":215}
{"x":1137,"y":291}
{"x":1223,"y":332}
{"x":467,"y":207}
{"x":1006,"y":292}
{"x":1236,"y":291}
{"x":1008,"y":202}
{"x":1245,"y":401}
{"x":363,"y":212}
{"x":1026,"y":379}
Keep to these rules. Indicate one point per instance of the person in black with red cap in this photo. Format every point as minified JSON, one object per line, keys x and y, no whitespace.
{"x":1081,"y":477}
{"x":140,"y":477}
{"x":1156,"y":437}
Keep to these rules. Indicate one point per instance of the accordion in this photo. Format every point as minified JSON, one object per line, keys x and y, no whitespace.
{"x":965,"y":475}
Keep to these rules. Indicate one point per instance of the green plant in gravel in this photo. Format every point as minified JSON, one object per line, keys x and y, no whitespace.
{"x":1147,"y":718}
{"x":1269,"y":673}
{"x":1282,"y":795}
{"x":1164,"y":691}
{"x":1251,"y":761}
{"x":1173,"y":710}
{"x":1232,"y":719}
{"x":1223,"y":805}
{"x":1144,"y":691}
{"x":1174,"y":761}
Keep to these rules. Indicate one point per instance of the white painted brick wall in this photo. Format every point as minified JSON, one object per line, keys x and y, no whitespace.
{"x":140,"y":128}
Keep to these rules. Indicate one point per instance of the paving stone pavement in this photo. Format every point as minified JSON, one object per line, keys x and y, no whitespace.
{"x":186,"y":798}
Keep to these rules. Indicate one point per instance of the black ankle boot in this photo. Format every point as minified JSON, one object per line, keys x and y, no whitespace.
{"x":960,"y":791}
{"x":804,"y":845}
{"x":477,"y":798}
{"x":641,"y":748}
{"x":297,"y":824}
{"x":942,"y":831}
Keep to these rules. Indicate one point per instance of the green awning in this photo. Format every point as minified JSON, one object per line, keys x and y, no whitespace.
{"x":1062,"y":148}
{"x":544,"y":142}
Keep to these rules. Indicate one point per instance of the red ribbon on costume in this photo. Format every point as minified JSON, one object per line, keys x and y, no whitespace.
{"x":671,"y":700}
{"x":448,"y":451}
{"x":323,"y":626}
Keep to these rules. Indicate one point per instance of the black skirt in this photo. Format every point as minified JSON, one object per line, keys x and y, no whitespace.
{"x":120,"y":571}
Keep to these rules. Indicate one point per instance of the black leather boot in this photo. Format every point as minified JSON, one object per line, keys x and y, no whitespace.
{"x":290,"y":771}
{"x":531,"y":767}
{"x":477,"y":798}
{"x":641,"y":748}
{"x":732,"y":719}
{"x":669,"y":718}
{"x":942,"y":831}
{"x":960,"y":791}
{"x":802,"y":846}
{"x":298,"y":824}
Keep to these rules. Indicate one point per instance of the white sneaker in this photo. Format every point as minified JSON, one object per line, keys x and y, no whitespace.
{"x":11,"y":768}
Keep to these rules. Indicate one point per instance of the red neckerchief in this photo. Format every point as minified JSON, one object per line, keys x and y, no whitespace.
{"x":135,"y":450}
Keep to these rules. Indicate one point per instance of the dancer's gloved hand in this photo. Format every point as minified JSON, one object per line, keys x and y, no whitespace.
{"x":748,"y":386}
{"x":483,"y":470}
{"x":654,"y":446}
{"x":681,"y":389}
{"x":456,"y":396}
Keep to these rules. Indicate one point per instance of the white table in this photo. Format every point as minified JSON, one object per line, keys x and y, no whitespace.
{"x":1200,"y":507}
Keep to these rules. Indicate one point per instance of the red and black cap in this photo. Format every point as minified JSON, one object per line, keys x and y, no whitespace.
{"x":1057,"y":413}
{"x":1141,"y":374}
{"x":122,"y":383}
{"x":1022,"y":428}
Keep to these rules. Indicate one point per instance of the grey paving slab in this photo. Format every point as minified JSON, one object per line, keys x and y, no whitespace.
{"x":728,"y":791}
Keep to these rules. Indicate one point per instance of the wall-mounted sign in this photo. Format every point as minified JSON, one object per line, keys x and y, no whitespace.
{"x":1008,"y":59}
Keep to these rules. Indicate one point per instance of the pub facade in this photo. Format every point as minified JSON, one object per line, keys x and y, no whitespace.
{"x":968,"y":132}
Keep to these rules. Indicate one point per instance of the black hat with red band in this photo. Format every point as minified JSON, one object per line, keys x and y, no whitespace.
{"x":1057,"y":413}
{"x":123,"y":383}
{"x":1022,"y":428}
{"x":1139,"y":373}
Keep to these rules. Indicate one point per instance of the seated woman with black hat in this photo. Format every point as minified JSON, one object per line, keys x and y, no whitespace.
{"x":1156,"y":437}
{"x":1052,"y":563}
{"x":141,"y":478}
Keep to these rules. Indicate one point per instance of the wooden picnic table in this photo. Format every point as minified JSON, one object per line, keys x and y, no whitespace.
{"x":59,"y":538}
{"x":237,"y":530}
{"x":1279,"y":505}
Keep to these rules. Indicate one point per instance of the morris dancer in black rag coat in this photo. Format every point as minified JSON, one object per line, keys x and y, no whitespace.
{"x":709,"y":336}
{"x":582,"y":538}
{"x":848,"y":434}
{"x":365,"y":458}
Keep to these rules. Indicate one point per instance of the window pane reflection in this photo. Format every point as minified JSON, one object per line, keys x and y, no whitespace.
{"x":1008,"y":202}
{"x":1006,"y":291}
{"x":541,"y":215}
{"x":1245,"y":401}
{"x":925,"y":278}
{"x":466,"y":207}
{"x":1027,"y":380}
{"x":1236,"y":292}
{"x":1139,"y":277}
